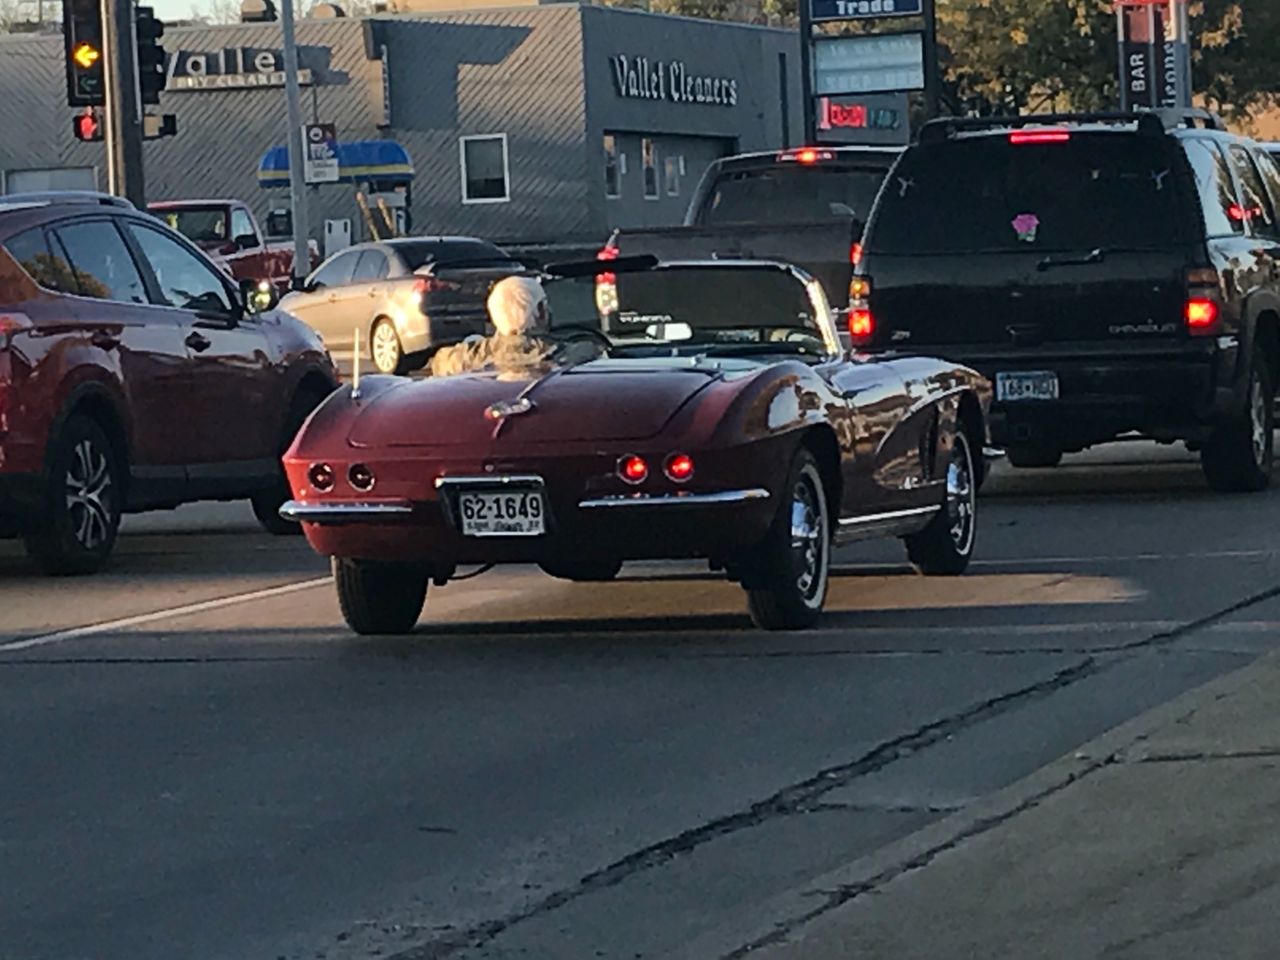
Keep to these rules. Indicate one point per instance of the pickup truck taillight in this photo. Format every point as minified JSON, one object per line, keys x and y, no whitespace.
{"x":607,"y":283}
{"x":1202,"y":309}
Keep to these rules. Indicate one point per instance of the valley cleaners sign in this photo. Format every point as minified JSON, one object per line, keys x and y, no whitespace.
{"x":640,"y":78}
{"x":230,"y":68}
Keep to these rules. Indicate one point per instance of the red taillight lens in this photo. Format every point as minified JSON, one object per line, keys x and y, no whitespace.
{"x":855,"y":254}
{"x":633,"y":469}
{"x":608,"y":252}
{"x":1039,"y":136}
{"x":679,"y":467}
{"x":435,"y":285}
{"x":360,"y":476}
{"x":1201,"y":313}
{"x":320,"y":476}
{"x":861,"y":324}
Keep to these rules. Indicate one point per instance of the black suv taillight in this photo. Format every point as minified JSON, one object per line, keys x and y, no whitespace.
{"x":1202,"y":309}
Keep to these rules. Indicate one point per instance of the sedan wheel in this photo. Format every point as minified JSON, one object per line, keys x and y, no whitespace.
{"x":946,"y":544}
{"x":787,"y":585}
{"x":83,"y":502}
{"x":384,"y":347}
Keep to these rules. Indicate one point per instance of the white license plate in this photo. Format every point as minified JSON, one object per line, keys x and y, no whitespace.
{"x":1032,"y":385}
{"x":502,"y":513}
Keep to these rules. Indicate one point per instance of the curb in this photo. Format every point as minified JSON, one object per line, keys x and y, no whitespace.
{"x":785,"y":921}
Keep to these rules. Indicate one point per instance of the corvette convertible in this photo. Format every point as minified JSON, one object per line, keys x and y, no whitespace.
{"x":720,"y":420}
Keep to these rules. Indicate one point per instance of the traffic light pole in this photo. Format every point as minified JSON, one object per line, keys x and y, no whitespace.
{"x":122,"y":109}
{"x":297,"y":189}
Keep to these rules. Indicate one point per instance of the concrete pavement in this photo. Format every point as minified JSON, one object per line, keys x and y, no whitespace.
{"x":1159,"y":840}
{"x":550,"y":770}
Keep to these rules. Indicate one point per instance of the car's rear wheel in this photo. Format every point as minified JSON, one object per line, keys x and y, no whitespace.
{"x":379,"y":598}
{"x":946,"y":544}
{"x":1238,"y":457}
{"x":83,"y":501}
{"x":582,"y":571}
{"x":266,"y":505}
{"x":1030,"y":457}
{"x":385,"y":349}
{"x":787,"y":580}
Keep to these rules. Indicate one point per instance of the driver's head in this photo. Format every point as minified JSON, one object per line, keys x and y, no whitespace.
{"x":518,"y":305}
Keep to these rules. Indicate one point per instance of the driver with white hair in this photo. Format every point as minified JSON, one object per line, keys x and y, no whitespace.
{"x":521,"y":318}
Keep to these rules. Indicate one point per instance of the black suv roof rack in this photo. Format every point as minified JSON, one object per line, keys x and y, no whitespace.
{"x":1150,"y":122}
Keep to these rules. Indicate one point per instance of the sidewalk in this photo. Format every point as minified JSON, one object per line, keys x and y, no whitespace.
{"x":1159,"y":840}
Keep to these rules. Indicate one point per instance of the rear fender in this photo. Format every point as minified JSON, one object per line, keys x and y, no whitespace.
{"x":1258,"y":304}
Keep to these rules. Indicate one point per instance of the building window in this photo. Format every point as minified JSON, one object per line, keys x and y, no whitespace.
{"x":649,"y":159}
{"x":485,"y":173}
{"x":672,"y":167}
{"x":612,"y":175}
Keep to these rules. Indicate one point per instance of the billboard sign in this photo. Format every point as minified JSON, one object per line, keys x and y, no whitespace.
{"x":863,"y":9}
{"x":871,"y":63}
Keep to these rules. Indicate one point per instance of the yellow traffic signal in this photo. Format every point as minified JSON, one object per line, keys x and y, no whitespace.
{"x":86,"y":55}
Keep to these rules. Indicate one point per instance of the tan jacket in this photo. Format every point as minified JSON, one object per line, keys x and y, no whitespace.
{"x":519,"y":354}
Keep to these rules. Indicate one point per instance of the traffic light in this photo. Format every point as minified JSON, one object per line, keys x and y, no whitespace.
{"x":87,"y":126}
{"x":151,"y":74}
{"x":82,"y":37}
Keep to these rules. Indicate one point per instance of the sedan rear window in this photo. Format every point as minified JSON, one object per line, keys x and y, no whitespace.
{"x":421,"y":253}
{"x":987,"y":194}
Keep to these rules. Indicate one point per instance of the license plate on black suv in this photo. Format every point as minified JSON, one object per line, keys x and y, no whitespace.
{"x":1028,"y":385}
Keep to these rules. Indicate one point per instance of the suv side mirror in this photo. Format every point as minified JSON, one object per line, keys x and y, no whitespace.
{"x":258,"y":296}
{"x":247,"y":241}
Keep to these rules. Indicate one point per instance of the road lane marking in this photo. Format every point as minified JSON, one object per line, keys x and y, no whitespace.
{"x":1123,"y":558}
{"x":107,"y":626}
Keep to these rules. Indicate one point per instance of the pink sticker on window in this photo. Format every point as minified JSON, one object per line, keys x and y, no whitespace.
{"x":1026,"y":226}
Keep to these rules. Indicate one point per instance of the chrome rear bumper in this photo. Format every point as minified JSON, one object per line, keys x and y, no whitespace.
{"x":334,"y":513}
{"x":643,"y":501}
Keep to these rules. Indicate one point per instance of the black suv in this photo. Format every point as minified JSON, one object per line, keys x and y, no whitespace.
{"x":1112,"y":274}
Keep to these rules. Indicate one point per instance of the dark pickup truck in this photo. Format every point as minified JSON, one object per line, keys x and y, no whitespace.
{"x":806,"y":206}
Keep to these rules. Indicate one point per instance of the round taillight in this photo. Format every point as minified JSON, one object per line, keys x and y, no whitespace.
{"x":360,"y":476}
{"x":633,"y":469}
{"x":320,"y":476}
{"x":679,"y":467}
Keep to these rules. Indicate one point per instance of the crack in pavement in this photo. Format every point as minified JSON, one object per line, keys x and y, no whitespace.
{"x":788,"y":801}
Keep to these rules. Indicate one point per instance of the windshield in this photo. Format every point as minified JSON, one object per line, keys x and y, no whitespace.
{"x":1093,"y":191}
{"x":697,"y":310}
{"x":198,"y":224}
{"x":791,"y":193}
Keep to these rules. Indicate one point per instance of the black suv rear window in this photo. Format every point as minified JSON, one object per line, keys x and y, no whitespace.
{"x":791,"y":193}
{"x":989,"y":194}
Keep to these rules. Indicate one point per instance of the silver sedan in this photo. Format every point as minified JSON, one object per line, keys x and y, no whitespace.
{"x":406,"y":297}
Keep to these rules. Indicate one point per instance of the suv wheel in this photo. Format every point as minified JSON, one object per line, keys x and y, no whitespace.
{"x":266,"y":505}
{"x":1238,"y":457}
{"x":82,"y":503}
{"x":1032,"y":457}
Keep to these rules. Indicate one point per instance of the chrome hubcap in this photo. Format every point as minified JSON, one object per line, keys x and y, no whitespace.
{"x":386,"y":348}
{"x":1258,"y":421}
{"x":960,"y":496}
{"x":89,"y":494}
{"x":808,"y":540}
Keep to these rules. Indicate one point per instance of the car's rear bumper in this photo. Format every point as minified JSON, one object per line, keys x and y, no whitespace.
{"x":704,"y":524}
{"x":422,"y":333}
{"x":1176,"y":395}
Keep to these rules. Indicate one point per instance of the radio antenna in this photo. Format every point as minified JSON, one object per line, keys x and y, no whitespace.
{"x":355,"y":366}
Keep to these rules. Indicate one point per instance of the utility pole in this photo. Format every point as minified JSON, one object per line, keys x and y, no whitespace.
{"x":806,"y":71}
{"x":123,"y":106}
{"x":932,"y":75}
{"x":297,"y":189}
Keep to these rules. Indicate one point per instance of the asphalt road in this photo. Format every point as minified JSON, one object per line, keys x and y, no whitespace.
{"x":197,"y":761}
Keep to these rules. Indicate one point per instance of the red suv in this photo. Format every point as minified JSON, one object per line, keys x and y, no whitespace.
{"x":135,"y":375}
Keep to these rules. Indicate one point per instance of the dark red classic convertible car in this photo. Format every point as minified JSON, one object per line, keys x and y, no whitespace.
{"x":722,"y":421}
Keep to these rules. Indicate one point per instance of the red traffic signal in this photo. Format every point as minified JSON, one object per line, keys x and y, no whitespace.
{"x":86,"y":127}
